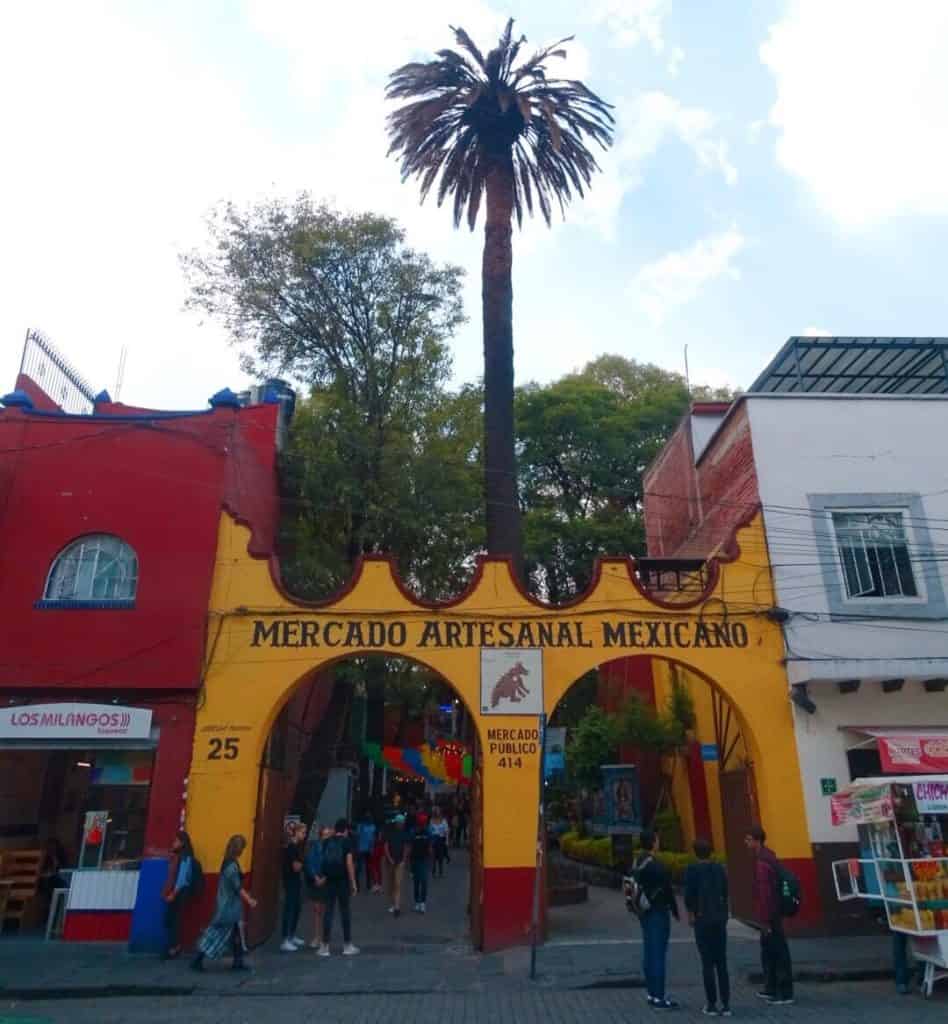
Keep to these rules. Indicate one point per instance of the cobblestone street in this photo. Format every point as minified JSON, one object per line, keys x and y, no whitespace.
{"x":842,"y":1003}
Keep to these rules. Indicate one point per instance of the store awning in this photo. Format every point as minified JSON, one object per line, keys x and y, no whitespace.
{"x":908,"y":752}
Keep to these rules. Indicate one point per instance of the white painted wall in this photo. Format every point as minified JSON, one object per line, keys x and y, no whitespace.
{"x":822,"y":743}
{"x":702,"y":429}
{"x":807,"y":445}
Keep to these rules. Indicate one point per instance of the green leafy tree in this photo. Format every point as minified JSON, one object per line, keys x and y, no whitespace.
{"x":593,"y":742}
{"x":499,"y":127}
{"x":341,"y":304}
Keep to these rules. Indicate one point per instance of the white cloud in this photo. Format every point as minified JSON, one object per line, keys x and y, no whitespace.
{"x":647,"y":123}
{"x":660,"y":288}
{"x":631,"y":22}
{"x":862,"y":100}
{"x":816,"y":332}
{"x":675,"y":59}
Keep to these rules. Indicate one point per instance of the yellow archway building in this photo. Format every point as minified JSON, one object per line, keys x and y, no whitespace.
{"x":508,"y":657}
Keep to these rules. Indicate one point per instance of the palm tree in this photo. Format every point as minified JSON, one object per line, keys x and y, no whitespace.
{"x":490,"y":124}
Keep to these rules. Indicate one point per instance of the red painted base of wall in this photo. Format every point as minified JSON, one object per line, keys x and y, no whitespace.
{"x":507,"y":907}
{"x":810,"y":918}
{"x":97,"y":926}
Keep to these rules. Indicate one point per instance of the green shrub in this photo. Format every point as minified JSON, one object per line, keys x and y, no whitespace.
{"x":599,"y":852}
{"x":667,"y":826}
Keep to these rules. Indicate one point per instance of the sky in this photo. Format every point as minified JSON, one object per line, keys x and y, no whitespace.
{"x":779,"y":169}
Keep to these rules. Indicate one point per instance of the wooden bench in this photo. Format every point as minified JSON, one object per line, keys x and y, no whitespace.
{"x":22,"y":868}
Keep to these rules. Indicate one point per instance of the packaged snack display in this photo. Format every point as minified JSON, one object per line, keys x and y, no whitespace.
{"x":902,"y":823}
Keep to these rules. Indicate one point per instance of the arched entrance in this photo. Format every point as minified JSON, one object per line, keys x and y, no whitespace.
{"x":678,"y":748}
{"x":510,"y":658}
{"x":364,"y":738}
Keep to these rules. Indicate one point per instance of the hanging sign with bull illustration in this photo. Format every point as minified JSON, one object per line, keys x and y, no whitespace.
{"x":512,"y":681}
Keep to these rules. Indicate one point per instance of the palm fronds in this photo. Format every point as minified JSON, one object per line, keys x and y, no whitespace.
{"x":466,"y":112}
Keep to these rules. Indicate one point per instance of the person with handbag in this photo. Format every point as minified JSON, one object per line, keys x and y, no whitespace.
{"x":652,"y":898}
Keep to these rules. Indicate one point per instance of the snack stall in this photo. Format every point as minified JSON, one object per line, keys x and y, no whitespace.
{"x":903,"y":862}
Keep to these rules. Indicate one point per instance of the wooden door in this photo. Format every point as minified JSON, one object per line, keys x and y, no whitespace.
{"x":738,"y":803}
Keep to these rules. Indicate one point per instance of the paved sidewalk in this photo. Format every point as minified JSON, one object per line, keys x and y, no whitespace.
{"x":594,"y":946}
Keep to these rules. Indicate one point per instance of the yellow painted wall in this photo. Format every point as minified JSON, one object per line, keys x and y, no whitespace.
{"x":247,"y":683}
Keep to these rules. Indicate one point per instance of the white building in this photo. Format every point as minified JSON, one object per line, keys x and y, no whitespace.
{"x":843,"y":442}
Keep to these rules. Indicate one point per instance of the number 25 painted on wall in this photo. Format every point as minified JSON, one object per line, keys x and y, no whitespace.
{"x":227,"y":749}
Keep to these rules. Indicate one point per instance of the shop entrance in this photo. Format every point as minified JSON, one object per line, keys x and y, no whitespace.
{"x":510,"y":658}
{"x":64,"y":807}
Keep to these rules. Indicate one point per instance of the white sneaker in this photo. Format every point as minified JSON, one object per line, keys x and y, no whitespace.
{"x":423,"y":907}
{"x":349,"y":950}
{"x":298,"y":942}
{"x":288,"y":946}
{"x":324,"y":950}
{"x":391,"y":910}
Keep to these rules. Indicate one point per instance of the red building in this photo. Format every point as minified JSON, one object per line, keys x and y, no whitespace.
{"x":109,"y":526}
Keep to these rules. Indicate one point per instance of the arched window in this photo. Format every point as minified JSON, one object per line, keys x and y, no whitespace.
{"x":94,"y":568}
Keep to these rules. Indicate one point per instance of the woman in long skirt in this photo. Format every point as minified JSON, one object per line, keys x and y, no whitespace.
{"x":224,"y":927}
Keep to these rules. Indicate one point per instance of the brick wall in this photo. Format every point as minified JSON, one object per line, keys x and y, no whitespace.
{"x":671,"y":505}
{"x":683,"y":523}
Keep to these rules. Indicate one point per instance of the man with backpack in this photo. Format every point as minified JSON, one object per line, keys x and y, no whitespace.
{"x":772,"y":886}
{"x":651,"y":897}
{"x":338,"y":868}
{"x":706,"y":899}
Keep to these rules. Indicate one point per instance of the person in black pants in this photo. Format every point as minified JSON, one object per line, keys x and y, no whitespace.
{"x":706,"y":899}
{"x":338,"y":868}
{"x":178,"y":890}
{"x":774,"y":951}
{"x":293,"y":887}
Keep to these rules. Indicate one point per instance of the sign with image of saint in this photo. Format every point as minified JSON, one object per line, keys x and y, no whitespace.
{"x":512,"y":681}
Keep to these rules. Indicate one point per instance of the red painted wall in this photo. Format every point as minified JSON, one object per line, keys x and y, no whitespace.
{"x":619,"y":679}
{"x":158,"y":482}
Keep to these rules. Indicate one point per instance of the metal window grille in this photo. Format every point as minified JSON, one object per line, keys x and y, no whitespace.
{"x":95,"y":568}
{"x":874,"y":555}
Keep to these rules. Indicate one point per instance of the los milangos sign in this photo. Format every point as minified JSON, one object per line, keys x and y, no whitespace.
{"x":74,"y":721}
{"x":643,"y":634}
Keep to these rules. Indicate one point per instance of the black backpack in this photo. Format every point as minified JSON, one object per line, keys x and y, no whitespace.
{"x":334,"y":858}
{"x":712,"y":894}
{"x":196,"y":888}
{"x":789,"y":894}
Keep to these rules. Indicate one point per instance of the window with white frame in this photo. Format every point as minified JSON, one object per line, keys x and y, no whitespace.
{"x":874,"y":554}
{"x":99,"y":567}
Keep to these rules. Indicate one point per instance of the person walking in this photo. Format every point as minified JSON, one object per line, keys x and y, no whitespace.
{"x":419,"y":859}
{"x":706,"y":900}
{"x":231,"y":899}
{"x":365,"y":840}
{"x":774,"y":951}
{"x":179,"y":888}
{"x":338,"y":868}
{"x":439,"y":839}
{"x":292,"y":870}
{"x":396,"y":853}
{"x":654,"y":881}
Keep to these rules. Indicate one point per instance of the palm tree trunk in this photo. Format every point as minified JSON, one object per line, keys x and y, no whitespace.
{"x":500,"y":461}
